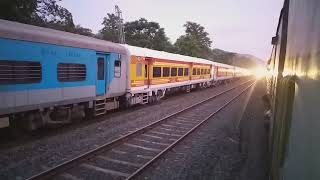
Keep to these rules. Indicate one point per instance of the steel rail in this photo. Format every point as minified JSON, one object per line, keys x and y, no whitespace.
{"x":59,"y":169}
{"x":149,"y":163}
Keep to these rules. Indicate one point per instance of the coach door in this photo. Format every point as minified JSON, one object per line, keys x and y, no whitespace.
{"x":146,"y":71}
{"x":101,"y":75}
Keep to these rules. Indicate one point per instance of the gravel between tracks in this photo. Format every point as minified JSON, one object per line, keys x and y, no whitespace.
{"x":212,"y":151}
{"x":29,"y":158}
{"x":254,"y":138}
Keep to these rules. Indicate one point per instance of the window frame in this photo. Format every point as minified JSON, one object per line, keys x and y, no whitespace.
{"x":198,"y":71}
{"x":194,"y":71}
{"x":14,"y":69}
{"x":70,"y":79}
{"x":186,"y":71}
{"x":157,"y":75}
{"x":117,"y":74}
{"x":175,"y":72}
{"x":138,"y":69}
{"x":100,"y":75}
{"x":166,"y":73}
{"x":180,"y":71}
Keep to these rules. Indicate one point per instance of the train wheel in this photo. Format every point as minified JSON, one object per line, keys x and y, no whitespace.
{"x":152,"y":99}
{"x":16,"y":129}
{"x":159,"y":95}
{"x":89,"y":113}
{"x":125,"y":102}
{"x":24,"y":123}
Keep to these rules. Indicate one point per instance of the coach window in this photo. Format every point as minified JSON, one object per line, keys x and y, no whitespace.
{"x":194,"y":71}
{"x":180,"y":72}
{"x":100,"y":72}
{"x":138,"y":69}
{"x":198,"y":71}
{"x":173,"y":71}
{"x":220,"y":72}
{"x":166,"y":71}
{"x":117,"y":69}
{"x":156,"y":71}
{"x":20,"y":72}
{"x":71,"y":72}
{"x":186,"y":72}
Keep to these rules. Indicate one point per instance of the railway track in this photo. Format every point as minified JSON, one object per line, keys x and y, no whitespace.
{"x":128,"y":156}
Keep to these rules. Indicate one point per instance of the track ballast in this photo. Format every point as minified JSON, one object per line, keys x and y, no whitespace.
{"x":127,"y":156}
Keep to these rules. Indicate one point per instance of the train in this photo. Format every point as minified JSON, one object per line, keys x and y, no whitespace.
{"x":49,"y":76}
{"x":293,"y":86}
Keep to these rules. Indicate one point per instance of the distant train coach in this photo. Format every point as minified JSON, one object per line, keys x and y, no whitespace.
{"x":50,"y":76}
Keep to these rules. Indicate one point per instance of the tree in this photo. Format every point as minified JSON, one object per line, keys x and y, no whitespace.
{"x":188,"y":45}
{"x":222,"y":56}
{"x":235,"y":59}
{"x":147,"y":34}
{"x":195,"y":42}
{"x":197,"y":31}
{"x":110,"y":30}
{"x":83,"y":31}
{"x":45,"y":13}
{"x":54,"y":16}
{"x":18,"y":10}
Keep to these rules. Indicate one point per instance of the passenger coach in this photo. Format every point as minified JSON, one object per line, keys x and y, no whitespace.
{"x":49,"y":76}
{"x":153,"y":73}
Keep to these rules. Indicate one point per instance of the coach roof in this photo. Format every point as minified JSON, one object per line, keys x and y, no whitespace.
{"x":19,"y":31}
{"x":138,"y":51}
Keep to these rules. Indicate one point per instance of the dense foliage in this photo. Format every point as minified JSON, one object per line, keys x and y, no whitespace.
{"x":143,"y":33}
{"x":110,"y":28}
{"x":147,"y":34}
{"x":45,"y":13}
{"x":195,"y":42}
{"x":240,"y":60}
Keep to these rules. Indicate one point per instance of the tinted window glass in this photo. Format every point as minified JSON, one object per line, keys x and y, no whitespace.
{"x":69,"y":72}
{"x":138,"y":69}
{"x":186,"y":72}
{"x":156,"y":71}
{"x":100,"y":72}
{"x":180,"y":72}
{"x":117,"y":69}
{"x":198,"y":71}
{"x":20,"y":72}
{"x":173,"y":71}
{"x":166,"y":72}
{"x":194,"y":71}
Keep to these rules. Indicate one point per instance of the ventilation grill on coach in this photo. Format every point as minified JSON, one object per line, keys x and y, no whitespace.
{"x":20,"y":72}
{"x":71,"y":72}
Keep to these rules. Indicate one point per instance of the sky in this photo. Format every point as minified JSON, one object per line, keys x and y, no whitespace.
{"x":242,"y":26}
